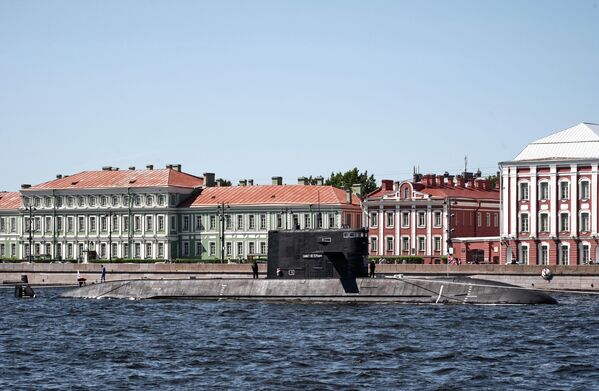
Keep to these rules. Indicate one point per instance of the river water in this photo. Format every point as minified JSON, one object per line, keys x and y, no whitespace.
{"x":62,"y":344}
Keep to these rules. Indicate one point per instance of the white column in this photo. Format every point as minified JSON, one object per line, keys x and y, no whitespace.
{"x":594,"y":199}
{"x":573,"y":199}
{"x":553,"y":194}
{"x":413,"y":244}
{"x":504,"y":201}
{"x":381,"y":222}
{"x":397,"y":226}
{"x":513,"y":205}
{"x":445,"y":227}
{"x":533,"y":200}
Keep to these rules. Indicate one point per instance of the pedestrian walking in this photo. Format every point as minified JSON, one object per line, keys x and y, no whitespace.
{"x":372,"y":268}
{"x":103,"y":277}
{"x":255,"y":270}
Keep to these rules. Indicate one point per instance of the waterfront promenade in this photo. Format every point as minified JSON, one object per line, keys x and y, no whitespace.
{"x":576,"y":278}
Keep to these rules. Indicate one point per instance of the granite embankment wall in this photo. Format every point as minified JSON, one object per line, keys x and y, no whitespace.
{"x":579,"y":277}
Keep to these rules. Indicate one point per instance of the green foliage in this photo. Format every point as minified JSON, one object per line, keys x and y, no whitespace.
{"x":493,"y":180}
{"x":345,"y":180}
{"x":224,"y":182}
{"x":405,"y":260}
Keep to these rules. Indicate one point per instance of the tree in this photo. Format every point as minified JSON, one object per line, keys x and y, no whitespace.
{"x":223,"y":182}
{"x":345,"y":180}
{"x":493,"y":180}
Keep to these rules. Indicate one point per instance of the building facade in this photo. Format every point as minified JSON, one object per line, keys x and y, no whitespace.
{"x":422,"y":217}
{"x":550,"y":198}
{"x":231,"y":223}
{"x":10,"y":225}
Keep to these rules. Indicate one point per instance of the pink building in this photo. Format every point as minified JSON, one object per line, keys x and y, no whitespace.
{"x":422,"y":217}
{"x":549,"y":200}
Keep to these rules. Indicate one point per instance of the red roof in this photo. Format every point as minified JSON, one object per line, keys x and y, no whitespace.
{"x":271,"y":194}
{"x":444,"y":192}
{"x":10,"y":200}
{"x":122,"y":179}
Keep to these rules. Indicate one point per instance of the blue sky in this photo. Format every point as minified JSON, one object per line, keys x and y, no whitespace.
{"x":255,"y":89}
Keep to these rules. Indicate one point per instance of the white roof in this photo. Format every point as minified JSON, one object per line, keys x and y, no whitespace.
{"x":578,"y":142}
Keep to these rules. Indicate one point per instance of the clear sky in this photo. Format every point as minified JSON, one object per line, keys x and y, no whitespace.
{"x":255,"y":89}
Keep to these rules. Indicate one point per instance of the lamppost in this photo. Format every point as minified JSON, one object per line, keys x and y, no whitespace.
{"x":449,"y":229}
{"x":221,"y":211}
{"x":109,"y":225}
{"x":30,"y":209}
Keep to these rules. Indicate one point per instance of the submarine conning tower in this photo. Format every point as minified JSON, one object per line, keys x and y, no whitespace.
{"x":310,"y":254}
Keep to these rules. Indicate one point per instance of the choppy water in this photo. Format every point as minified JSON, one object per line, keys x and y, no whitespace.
{"x":53,"y":343}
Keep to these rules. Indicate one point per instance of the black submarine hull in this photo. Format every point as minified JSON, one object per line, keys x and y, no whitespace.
{"x":450,"y":290}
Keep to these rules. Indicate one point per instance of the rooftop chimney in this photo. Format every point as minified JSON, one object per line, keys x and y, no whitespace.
{"x":243,"y":182}
{"x":348,"y":196}
{"x":459,"y":181}
{"x":209,"y":179}
{"x":58,"y":176}
{"x":169,"y":166}
{"x":250,"y":182}
{"x":177,"y":167}
{"x":450,"y":181}
{"x":319,"y":180}
{"x":434,"y":180}
{"x":150,"y":166}
{"x":277,"y":180}
{"x":302,"y":180}
{"x":356,"y":188}
{"x":107,"y":168}
{"x":132,"y":168}
{"x":387,"y":184}
{"x":470,"y":183}
{"x":25,"y":186}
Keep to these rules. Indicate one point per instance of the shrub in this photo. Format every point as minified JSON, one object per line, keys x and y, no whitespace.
{"x":405,"y":260}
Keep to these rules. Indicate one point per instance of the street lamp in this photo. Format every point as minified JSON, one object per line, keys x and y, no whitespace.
{"x":221,"y":211}
{"x":30,"y":209}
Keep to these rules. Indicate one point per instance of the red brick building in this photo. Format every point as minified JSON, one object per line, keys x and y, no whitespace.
{"x":423,"y":217}
{"x":550,"y":200}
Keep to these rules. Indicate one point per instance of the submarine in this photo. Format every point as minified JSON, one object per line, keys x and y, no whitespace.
{"x":319,"y":266}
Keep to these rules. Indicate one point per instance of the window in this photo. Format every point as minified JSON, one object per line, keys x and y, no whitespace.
{"x":421,"y":219}
{"x":13,"y":250}
{"x":544,"y":191}
{"x":437,"y":219}
{"x":584,"y":222}
{"x":585,"y":256}
{"x":2,"y":250}
{"x":137,"y":200}
{"x":564,"y":255}
{"x":125,"y":250}
{"x":229,"y":249}
{"x":543,"y":222}
{"x":114,"y":200}
{"x":252,"y":221}
{"x":70,"y":250}
{"x":406,"y":193}
{"x":251,"y":248}
{"x":564,"y":190}
{"x":103,"y":200}
{"x":59,"y":224}
{"x":161,"y":200}
{"x":212,"y":222}
{"x":584,"y":190}
{"x":405,"y":219}
{"x":307,"y":223}
{"x":488,"y":219}
{"x":2,"y":224}
{"x":198,"y":223}
{"x":137,"y":223}
{"x":160,"y":250}
{"x":114,"y":249}
{"x":374,"y":219}
{"x":103,"y":250}
{"x":263,"y":221}
{"x":103,"y":224}
{"x":198,"y":249}
{"x":331,"y":220}
{"x":421,"y":243}
{"x":59,"y":202}
{"x":479,"y":222}
{"x":186,"y":249}
{"x":389,"y":243}
{"x":149,"y":223}
{"x":319,"y":220}
{"x":47,"y":202}
{"x":48,"y":224}
{"x":374,"y":244}
{"x":137,"y":247}
{"x":161,"y":223}
{"x":295,"y":220}
{"x":239,"y":221}
{"x":81,"y":224}
{"x":212,"y":248}
{"x":148,"y":250}
{"x":564,"y":226}
{"x":185,"y":223}
{"x":544,"y":255}
{"x":523,"y":191}
{"x":239,"y":249}
{"x":126,"y":223}
{"x":496,"y":219}
{"x":228,"y":222}
{"x":437,"y":244}
{"x":262,"y":247}
{"x":524,"y":257}
{"x":389,"y":219}
{"x":149,"y":200}
{"x":80,"y":201}
{"x":92,"y":201}
{"x":524,"y":222}
{"x":405,"y":243}
{"x":279,"y":219}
